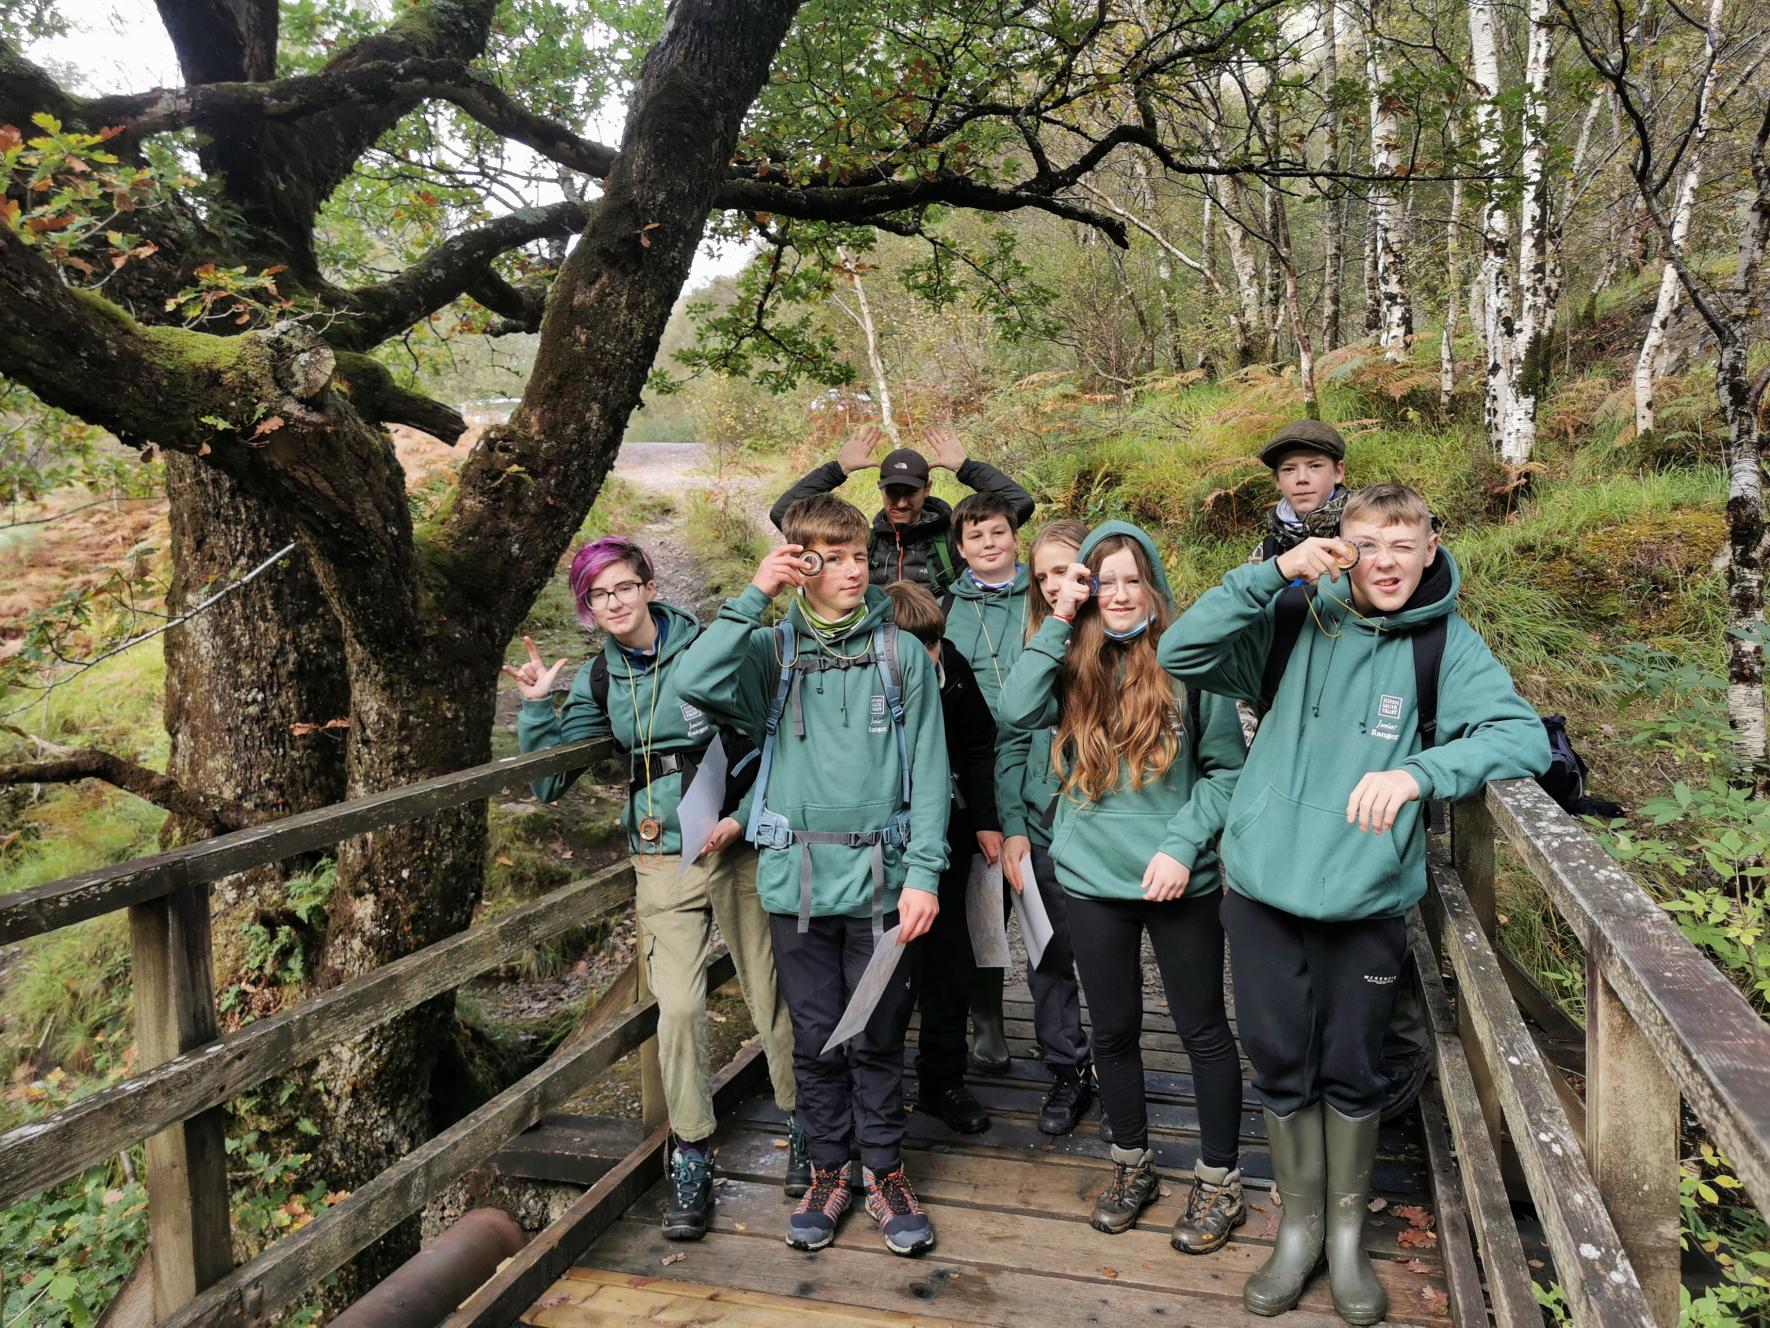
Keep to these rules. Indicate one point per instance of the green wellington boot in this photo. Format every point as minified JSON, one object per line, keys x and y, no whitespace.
{"x":1299,"y":1162}
{"x":1351,"y":1152}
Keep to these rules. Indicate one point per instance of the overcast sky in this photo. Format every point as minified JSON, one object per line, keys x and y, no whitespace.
{"x":121,"y":46}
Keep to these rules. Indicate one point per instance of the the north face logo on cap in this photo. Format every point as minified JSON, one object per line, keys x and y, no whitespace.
{"x":901,"y":465}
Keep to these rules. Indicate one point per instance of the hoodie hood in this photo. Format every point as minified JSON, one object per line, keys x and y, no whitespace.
{"x":965,"y":587}
{"x":677,"y":629}
{"x":1107,"y":529}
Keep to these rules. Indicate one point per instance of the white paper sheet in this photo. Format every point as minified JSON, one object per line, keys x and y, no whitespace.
{"x":983,"y":914}
{"x":698,"y":812}
{"x":873,"y":981}
{"x":1029,"y":908}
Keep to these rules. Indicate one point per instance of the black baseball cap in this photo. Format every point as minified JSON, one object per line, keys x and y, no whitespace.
{"x":903,"y":469}
{"x":1304,"y":436}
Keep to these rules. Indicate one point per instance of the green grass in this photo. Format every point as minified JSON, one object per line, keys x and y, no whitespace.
{"x":726,"y":543}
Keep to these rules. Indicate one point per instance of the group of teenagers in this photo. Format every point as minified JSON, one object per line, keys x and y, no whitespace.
{"x":1254,"y":770}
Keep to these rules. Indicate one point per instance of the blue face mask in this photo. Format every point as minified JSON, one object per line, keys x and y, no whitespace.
{"x":1130,"y":633}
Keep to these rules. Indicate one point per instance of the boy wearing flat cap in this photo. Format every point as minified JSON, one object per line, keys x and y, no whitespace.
{"x":1308,"y":463}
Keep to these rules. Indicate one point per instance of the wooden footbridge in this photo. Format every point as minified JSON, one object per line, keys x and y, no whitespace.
{"x":1583,"y":1126}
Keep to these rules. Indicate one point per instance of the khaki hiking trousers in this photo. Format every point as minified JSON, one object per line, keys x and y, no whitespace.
{"x":676,"y":916}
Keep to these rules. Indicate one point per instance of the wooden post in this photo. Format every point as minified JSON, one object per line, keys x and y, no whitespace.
{"x":1632,"y":1141}
{"x":652,"y":1110}
{"x":1472,"y":848}
{"x":190,"y":1233}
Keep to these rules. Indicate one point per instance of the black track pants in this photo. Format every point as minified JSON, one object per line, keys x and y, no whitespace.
{"x":1312,"y":1001}
{"x":1187,"y":937}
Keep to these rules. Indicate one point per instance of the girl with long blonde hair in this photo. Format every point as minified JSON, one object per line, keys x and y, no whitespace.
{"x":1145,"y":772}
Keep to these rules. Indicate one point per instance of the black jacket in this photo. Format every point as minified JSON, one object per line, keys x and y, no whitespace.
{"x":970,"y":740}
{"x":915,"y":554}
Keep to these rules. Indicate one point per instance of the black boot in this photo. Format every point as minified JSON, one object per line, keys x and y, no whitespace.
{"x":954,"y":1107}
{"x":691,"y":1194}
{"x":1351,"y":1153}
{"x":798,"y":1178}
{"x":1299,"y":1161}
{"x":989,"y":1040}
{"x":1068,"y":1099}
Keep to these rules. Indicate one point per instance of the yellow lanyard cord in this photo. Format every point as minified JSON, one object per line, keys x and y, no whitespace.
{"x":995,"y":661}
{"x":651,"y":725}
{"x":1376,"y":624}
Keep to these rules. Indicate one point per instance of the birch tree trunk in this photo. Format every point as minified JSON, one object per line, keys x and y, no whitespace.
{"x":1538,"y":248}
{"x":1394,"y":315}
{"x":1648,"y":363}
{"x":862,"y":314}
{"x":1247,"y":274}
{"x":1453,"y":282}
{"x":1496,"y":268}
{"x":1336,"y":210}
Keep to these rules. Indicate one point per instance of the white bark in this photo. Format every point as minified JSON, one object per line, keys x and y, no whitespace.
{"x":1247,"y":270}
{"x":1453,"y":283}
{"x":1649,"y":363}
{"x":1538,"y":248}
{"x":1394,"y":315}
{"x":1336,"y":210}
{"x":1496,"y":266}
{"x":863,"y":318}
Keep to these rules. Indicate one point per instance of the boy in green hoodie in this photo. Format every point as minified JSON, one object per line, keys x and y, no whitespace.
{"x":850,"y":812}
{"x":631,"y":692}
{"x":1324,"y":849}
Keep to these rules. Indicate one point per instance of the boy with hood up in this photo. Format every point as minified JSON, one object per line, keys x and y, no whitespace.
{"x":1324,"y":848}
{"x":631,"y":691}
{"x":910,"y":535}
{"x":850,"y":812}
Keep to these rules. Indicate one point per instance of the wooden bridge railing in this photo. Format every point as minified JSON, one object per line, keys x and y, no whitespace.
{"x":1662,"y":1024}
{"x":189,"y":1073}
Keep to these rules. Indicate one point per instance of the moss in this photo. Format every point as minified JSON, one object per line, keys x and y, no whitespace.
{"x":1652,"y":575}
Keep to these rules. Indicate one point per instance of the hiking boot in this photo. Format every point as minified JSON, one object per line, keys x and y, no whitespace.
{"x":892,"y":1204}
{"x":798,"y":1160}
{"x":1132,"y":1189}
{"x":955,"y":1108}
{"x":1300,"y":1165}
{"x":1069,"y":1097}
{"x":1213,"y":1209}
{"x":989,"y":1039}
{"x":1351,"y":1145}
{"x":1105,"y":1125}
{"x":813,"y":1223}
{"x":691,"y":1194}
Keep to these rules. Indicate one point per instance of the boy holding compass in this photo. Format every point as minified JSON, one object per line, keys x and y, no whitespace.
{"x":631,"y":692}
{"x":1323,"y":852}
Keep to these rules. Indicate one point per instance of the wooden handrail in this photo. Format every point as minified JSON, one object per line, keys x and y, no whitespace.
{"x":1704,"y":1032}
{"x":73,"y":899}
{"x":36,"y":1155}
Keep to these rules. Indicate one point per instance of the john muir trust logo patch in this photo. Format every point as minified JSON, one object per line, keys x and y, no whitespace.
{"x":1388,"y":725}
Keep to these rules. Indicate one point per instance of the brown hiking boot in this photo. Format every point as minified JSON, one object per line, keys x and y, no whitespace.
{"x":1213,"y":1210}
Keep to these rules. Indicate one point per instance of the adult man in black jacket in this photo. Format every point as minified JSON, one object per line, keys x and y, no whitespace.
{"x":910,"y":538}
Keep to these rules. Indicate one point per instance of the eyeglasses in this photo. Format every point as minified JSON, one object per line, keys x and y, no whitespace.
{"x":627,"y":592}
{"x":1108,"y":589}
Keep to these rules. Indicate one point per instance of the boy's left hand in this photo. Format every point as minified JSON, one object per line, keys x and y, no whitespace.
{"x":989,"y":843}
{"x":1165,"y":878}
{"x":724,"y":835}
{"x":1379,"y":797}
{"x":916,"y":910}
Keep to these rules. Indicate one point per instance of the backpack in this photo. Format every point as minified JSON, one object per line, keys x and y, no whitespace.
{"x":1565,"y":780}
{"x":769,"y":829}
{"x":740,"y":752}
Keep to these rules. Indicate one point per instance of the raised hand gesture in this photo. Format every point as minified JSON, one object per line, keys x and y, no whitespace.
{"x":1074,"y":590}
{"x":1316,"y":557}
{"x":948,"y":450}
{"x":857,"y":449}
{"x":780,"y":569}
{"x":534,"y":679}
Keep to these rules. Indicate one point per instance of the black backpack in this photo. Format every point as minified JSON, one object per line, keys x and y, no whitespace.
{"x":1565,"y":780}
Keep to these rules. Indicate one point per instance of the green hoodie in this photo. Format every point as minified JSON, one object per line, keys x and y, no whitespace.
{"x":989,"y":628}
{"x":1345,"y":707}
{"x":1101,"y":849}
{"x":843,"y":775}
{"x":673,"y":724}
{"x":1025,"y":782}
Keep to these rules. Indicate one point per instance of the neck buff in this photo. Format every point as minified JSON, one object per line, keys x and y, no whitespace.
{"x":1130,"y":633}
{"x":1289,"y":530}
{"x":826,"y":629}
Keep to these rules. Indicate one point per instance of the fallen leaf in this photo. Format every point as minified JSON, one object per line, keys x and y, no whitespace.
{"x":780,"y":1143}
{"x":1109,"y":1272}
{"x":1434,"y":1300}
{"x":1415,"y":1239}
{"x":740,"y":1226}
{"x":503,"y":862}
{"x":1419,"y":1266}
{"x":1377,"y":1205}
{"x":669,"y":1259}
{"x":1271,"y":1227}
{"x":552,"y":1302}
{"x":637,"y":1282}
{"x":1416,"y":1217}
